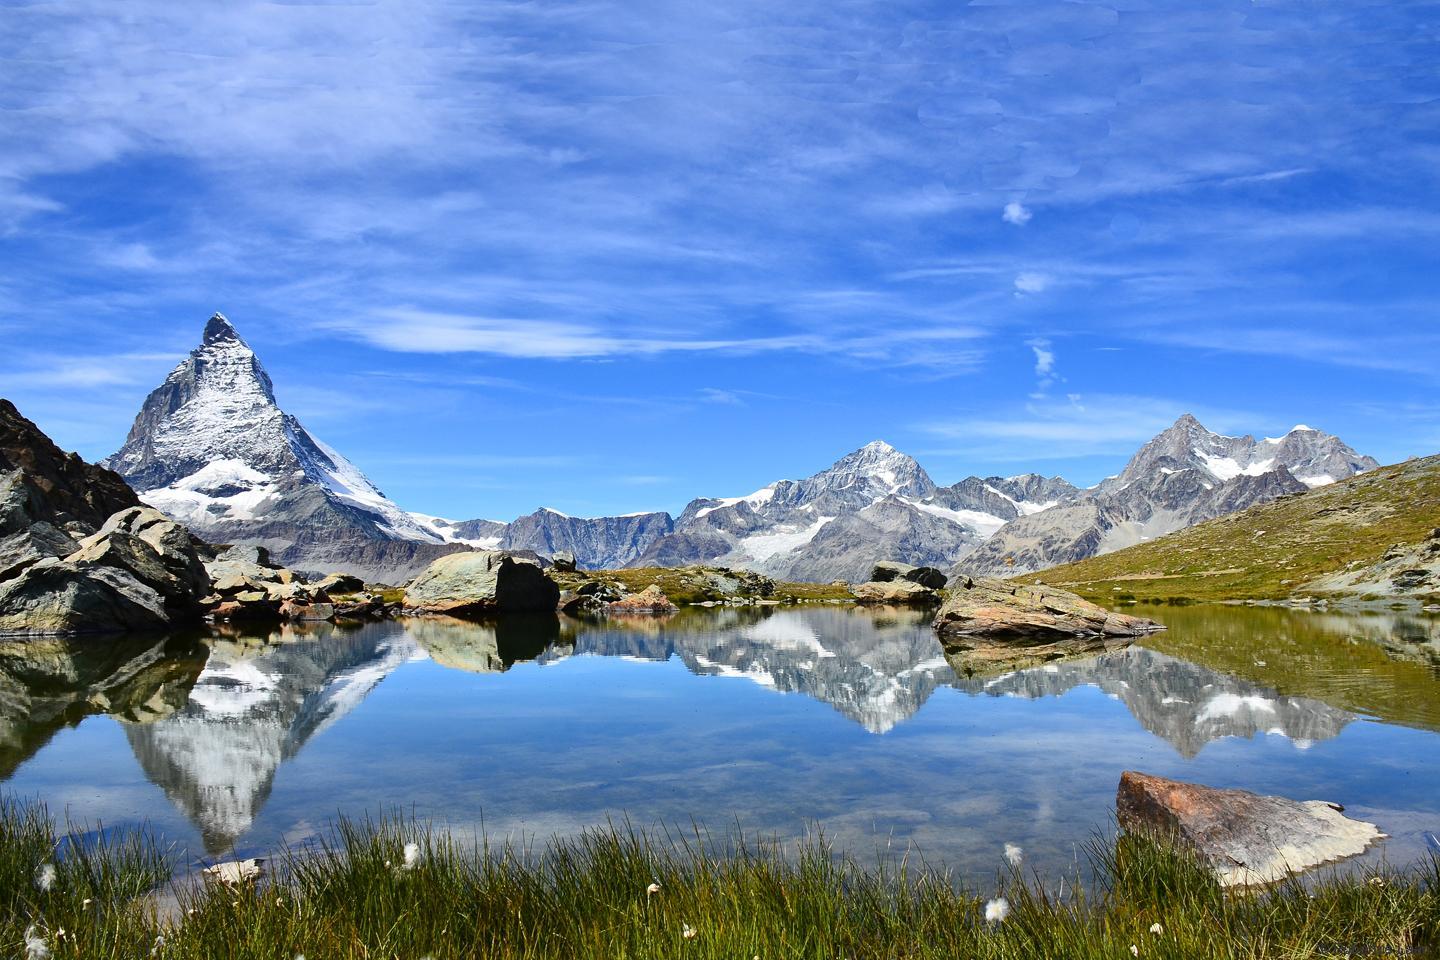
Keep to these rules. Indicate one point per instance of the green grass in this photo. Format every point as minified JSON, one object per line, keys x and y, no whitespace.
{"x":1270,"y":551}
{"x":689,"y":585}
{"x":587,"y":897}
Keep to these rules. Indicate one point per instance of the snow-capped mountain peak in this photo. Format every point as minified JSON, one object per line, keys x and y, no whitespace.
{"x":212,"y":448}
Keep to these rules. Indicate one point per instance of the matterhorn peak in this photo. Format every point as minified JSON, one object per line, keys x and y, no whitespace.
{"x":219,"y":328}
{"x":212,"y":448}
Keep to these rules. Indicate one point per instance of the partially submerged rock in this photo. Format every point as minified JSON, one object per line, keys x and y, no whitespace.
{"x":982,"y":656}
{"x":57,"y":597}
{"x":1002,"y":609}
{"x":894,"y":591}
{"x":1248,"y":839}
{"x":649,"y":600}
{"x":483,"y":582}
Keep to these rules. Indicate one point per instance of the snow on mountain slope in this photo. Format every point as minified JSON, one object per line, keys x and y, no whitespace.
{"x":213,"y":449}
{"x":1182,"y":476}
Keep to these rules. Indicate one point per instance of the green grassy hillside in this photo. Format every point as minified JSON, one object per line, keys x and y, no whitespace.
{"x":1270,"y":551}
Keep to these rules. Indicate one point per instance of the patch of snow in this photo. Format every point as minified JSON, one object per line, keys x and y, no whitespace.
{"x":787,"y":633}
{"x":763,"y":546}
{"x":984,"y":524}
{"x":1226,"y":468}
{"x":1318,"y":480}
{"x":760,"y":496}
{"x":1230,"y":704}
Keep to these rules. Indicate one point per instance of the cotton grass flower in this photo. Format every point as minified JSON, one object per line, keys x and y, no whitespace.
{"x":687,"y":931}
{"x":45,"y":877}
{"x":1014,"y":853}
{"x":997,"y":910}
{"x":35,"y":946}
{"x":1156,"y":929}
{"x":1134,"y":950}
{"x":653,"y":889}
{"x":412,"y":857}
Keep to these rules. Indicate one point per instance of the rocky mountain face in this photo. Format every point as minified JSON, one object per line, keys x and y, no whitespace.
{"x":876,"y":503}
{"x":1183,"y":476}
{"x":595,"y":542}
{"x":212,"y":449}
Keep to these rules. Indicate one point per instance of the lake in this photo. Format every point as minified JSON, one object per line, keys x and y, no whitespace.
{"x":781,"y":721}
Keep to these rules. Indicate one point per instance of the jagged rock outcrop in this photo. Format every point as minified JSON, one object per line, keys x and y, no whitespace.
{"x":487,"y":582}
{"x":1183,"y":476}
{"x":1406,"y":570}
{"x":212,"y":449}
{"x":1002,"y":610}
{"x":66,"y":567}
{"x":39,"y":482}
{"x":651,"y":600}
{"x":1247,"y":839}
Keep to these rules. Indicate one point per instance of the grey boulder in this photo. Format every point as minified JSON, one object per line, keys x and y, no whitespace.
{"x":59,"y":597}
{"x":480,"y":583}
{"x":1246,"y":838}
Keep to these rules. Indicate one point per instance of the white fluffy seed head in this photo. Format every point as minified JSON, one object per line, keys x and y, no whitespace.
{"x":35,"y":946}
{"x":1014,"y":854}
{"x":653,"y":889}
{"x":45,"y":877}
{"x":1156,"y":929}
{"x":997,"y":910}
{"x":412,"y":856}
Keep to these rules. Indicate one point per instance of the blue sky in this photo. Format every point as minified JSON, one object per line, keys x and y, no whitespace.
{"x":610,"y":256}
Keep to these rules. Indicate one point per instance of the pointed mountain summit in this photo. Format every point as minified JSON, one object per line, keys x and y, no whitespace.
{"x":212,"y":448}
{"x":1185,"y":474}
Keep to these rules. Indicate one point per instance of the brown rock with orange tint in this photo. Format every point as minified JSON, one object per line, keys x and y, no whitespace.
{"x":1248,"y":839}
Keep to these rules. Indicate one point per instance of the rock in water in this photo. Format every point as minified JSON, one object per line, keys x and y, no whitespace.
{"x":650,"y":600}
{"x":1248,"y":839}
{"x":1001,"y":609}
{"x":58,"y":597}
{"x":895,"y":591}
{"x":486,"y":582}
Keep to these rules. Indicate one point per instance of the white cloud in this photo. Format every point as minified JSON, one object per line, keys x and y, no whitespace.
{"x":1075,"y":426}
{"x":1016,"y":213}
{"x":1030,"y":282}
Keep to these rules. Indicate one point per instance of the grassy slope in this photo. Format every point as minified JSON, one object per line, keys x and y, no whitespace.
{"x":587,"y":897}
{"x":1269,"y":551}
{"x":682,"y":586}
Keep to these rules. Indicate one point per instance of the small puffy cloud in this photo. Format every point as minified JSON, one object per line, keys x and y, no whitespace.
{"x":716,"y":395}
{"x":1016,"y":213}
{"x":1031,"y":282}
{"x":1044,"y":356}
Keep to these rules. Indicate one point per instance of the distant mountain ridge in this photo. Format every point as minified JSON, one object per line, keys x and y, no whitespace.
{"x":212,"y":448}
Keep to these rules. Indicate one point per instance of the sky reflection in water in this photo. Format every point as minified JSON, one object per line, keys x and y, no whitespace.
{"x":776,"y":720}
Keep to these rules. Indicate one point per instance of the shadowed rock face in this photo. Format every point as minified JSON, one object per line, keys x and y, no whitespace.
{"x":41,"y":482}
{"x":1248,"y":839}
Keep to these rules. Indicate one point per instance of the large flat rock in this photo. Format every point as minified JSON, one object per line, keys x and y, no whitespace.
{"x":1005,"y":610}
{"x":1247,"y":838}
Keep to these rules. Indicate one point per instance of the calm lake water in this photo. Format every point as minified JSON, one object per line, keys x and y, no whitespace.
{"x":775,"y":720}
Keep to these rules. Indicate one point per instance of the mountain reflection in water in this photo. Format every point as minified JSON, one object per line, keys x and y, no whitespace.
{"x":212,"y":722}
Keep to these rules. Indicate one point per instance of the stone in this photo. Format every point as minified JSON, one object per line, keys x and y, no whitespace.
{"x":32,"y":544}
{"x":887,"y":571}
{"x":894,"y":591}
{"x":57,"y":597}
{"x":1248,"y":839}
{"x":563,"y":562}
{"x":234,"y":873}
{"x":1002,"y":609}
{"x":480,"y":583}
{"x":650,"y":600}
{"x":340,"y":584}
{"x":259,"y":609}
{"x":128,"y":552}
